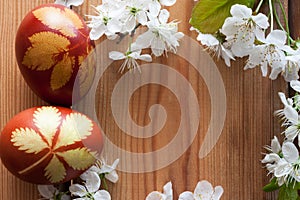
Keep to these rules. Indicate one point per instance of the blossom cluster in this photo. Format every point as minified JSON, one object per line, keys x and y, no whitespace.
{"x":203,"y":191}
{"x":86,"y":187}
{"x":243,"y":34}
{"x":119,"y":18}
{"x":283,"y":161}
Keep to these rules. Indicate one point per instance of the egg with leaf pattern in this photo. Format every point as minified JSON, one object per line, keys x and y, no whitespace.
{"x":52,"y":46}
{"x":49,"y":145}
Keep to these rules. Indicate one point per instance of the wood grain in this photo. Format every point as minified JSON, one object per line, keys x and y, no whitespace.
{"x":234,"y":162}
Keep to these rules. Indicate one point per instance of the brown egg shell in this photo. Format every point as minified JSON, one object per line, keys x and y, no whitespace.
{"x":16,"y":160}
{"x":79,"y":48}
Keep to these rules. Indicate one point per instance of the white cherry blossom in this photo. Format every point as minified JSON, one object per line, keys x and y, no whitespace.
{"x":242,"y":28}
{"x":275,"y":146}
{"x":135,"y":12}
{"x":109,"y":171}
{"x":106,"y":21}
{"x":271,"y":159}
{"x":295,"y":85}
{"x":215,"y":46}
{"x":117,"y":19}
{"x":271,"y":52}
{"x":283,"y":162}
{"x":291,"y":118}
{"x":282,"y":166}
{"x":69,"y":3}
{"x":154,"y":6}
{"x":292,"y":67}
{"x":167,"y":193}
{"x":90,"y":190}
{"x":203,"y":191}
{"x":161,"y":36}
{"x":131,"y":58}
{"x":288,"y":169}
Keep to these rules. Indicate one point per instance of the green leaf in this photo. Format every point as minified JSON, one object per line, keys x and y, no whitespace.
{"x":272,"y":186}
{"x":288,"y":193}
{"x":208,"y":16}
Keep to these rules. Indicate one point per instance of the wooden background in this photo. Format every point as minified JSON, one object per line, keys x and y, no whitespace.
{"x":234,"y":163}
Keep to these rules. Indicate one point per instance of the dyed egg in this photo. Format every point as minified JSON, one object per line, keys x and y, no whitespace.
{"x":49,"y":145}
{"x":51,"y":44}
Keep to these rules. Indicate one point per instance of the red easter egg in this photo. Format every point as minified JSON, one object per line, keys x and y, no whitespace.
{"x":49,"y":145}
{"x":51,"y":44}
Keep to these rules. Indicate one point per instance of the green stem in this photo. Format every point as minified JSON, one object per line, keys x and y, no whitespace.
{"x":104,"y":184}
{"x":271,"y":14}
{"x":278,"y":20}
{"x":259,"y":6}
{"x":290,"y":39}
{"x":103,"y":180}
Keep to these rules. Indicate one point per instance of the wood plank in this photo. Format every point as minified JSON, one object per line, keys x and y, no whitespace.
{"x":234,"y":163}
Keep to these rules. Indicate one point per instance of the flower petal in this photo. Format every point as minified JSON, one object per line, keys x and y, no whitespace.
{"x":112,"y":176}
{"x":114,"y":26}
{"x":240,"y":11}
{"x":203,"y":189}
{"x":154,"y":8}
{"x":218,"y":193}
{"x":168,"y":191}
{"x":92,"y":181}
{"x":277,"y":37}
{"x":207,"y":39}
{"x":186,"y":196}
{"x":107,"y":168}
{"x":291,"y":133}
{"x":130,"y":24}
{"x":282,"y":168}
{"x":145,"y":57}
{"x":94,"y":169}
{"x":290,"y":152}
{"x":275,"y":145}
{"x":164,"y":16}
{"x":78,"y":190}
{"x":157,"y":46}
{"x":156,"y":196}
{"x":61,"y":2}
{"x":115,"y":55}
{"x":47,"y":191}
{"x":142,"y":18}
{"x":102,"y":195}
{"x":144,"y":40}
{"x":97,"y":32}
{"x":269,"y":158}
{"x":291,"y":114}
{"x":274,"y":73}
{"x":261,"y":20}
{"x":295,"y":85}
{"x":283,"y":98}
